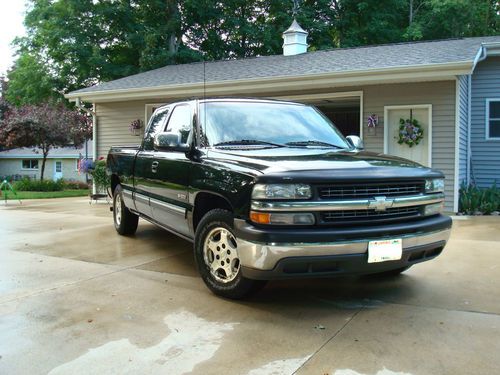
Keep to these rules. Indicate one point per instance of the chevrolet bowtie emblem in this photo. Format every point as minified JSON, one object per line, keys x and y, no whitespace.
{"x":380,"y":203}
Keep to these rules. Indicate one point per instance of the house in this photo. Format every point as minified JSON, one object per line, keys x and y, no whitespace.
{"x":61,"y":162}
{"x":451,"y":87}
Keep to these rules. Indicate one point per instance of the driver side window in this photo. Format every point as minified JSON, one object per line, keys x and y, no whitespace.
{"x":156,"y":123}
{"x":180,"y":122}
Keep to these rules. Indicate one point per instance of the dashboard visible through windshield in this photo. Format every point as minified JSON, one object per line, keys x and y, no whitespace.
{"x":267,"y":124}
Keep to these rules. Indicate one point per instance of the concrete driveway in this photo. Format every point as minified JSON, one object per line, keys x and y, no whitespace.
{"x":76,"y":298}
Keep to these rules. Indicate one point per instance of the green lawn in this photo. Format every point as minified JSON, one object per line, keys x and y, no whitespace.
{"x":44,"y":194}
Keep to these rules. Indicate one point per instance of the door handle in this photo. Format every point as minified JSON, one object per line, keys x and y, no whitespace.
{"x":154,"y":167}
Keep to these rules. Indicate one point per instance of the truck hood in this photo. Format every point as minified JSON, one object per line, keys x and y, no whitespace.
{"x":317,"y":164}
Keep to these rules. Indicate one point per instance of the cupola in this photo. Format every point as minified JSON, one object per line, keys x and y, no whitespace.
{"x":294,"y":40}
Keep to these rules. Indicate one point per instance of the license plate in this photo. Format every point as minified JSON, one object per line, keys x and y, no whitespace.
{"x":382,"y":251}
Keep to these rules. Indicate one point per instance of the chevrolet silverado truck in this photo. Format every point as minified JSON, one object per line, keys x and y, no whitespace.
{"x":271,"y":189}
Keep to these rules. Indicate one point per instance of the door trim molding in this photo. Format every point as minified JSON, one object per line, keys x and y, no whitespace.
{"x":410,"y":106}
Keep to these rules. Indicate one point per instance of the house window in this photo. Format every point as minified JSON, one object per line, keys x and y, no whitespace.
{"x":30,"y":164}
{"x":493,"y":119}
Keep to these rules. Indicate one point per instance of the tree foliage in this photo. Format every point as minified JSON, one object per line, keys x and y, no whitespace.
{"x":30,"y":81}
{"x":84,"y":42}
{"x":43,"y":126}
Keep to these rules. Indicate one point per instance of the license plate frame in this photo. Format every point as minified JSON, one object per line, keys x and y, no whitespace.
{"x":385,"y":250}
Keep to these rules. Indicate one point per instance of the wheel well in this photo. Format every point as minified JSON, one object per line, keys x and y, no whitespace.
{"x":205,"y":202}
{"x":114,"y":182}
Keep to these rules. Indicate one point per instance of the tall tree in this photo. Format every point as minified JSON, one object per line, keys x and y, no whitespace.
{"x":44,"y":126}
{"x":439,"y":19}
{"x":30,"y":81}
{"x":369,"y":22}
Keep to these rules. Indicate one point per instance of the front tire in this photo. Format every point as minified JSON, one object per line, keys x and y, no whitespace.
{"x":216,"y":255}
{"x":125,"y":221}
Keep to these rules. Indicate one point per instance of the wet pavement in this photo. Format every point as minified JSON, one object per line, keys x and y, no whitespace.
{"x":76,"y":298}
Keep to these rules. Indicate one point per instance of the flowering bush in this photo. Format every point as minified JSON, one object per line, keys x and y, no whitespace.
{"x":410,"y":132}
{"x":85,"y":165}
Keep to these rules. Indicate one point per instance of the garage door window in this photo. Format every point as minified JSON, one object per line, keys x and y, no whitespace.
{"x":30,"y":164}
{"x":493,"y":119}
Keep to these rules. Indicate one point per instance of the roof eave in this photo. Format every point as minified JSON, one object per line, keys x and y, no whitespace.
{"x":441,"y":71}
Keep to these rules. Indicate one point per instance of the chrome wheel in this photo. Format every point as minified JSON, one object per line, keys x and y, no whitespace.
{"x":220,"y":255}
{"x":118,"y":210}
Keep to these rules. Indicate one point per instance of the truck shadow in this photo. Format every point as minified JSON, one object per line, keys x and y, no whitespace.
{"x":347,"y":292}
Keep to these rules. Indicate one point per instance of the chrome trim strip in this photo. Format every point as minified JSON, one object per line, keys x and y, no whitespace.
{"x":142,"y":198}
{"x":168,"y":206}
{"x":354,"y":204}
{"x":266,"y":256}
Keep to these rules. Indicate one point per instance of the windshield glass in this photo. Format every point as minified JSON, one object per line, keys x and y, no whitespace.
{"x":258,"y":123}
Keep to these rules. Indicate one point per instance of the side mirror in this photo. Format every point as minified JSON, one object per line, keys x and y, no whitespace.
{"x":356,"y":142}
{"x":169,"y":142}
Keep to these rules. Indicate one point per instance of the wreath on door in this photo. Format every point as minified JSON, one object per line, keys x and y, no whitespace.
{"x":410,"y":132}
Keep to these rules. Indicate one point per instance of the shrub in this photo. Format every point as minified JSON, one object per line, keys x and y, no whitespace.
{"x":99,"y":175}
{"x":75,"y":185}
{"x":473,"y":199}
{"x":36,"y":185}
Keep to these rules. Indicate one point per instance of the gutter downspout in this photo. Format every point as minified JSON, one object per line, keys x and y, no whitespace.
{"x":94,"y":132}
{"x":481,"y":55}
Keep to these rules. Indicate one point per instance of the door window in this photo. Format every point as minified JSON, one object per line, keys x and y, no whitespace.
{"x":156,"y":124}
{"x":58,"y":167}
{"x":180,"y":122}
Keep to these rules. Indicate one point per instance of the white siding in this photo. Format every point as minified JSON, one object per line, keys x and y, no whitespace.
{"x":113,"y":120}
{"x":441,"y":95}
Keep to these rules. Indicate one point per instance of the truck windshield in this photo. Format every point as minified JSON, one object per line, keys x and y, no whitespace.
{"x":267,"y":125}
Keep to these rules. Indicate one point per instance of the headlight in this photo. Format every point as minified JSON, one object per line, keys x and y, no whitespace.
{"x":281,"y":191}
{"x":434,"y":186}
{"x":282,"y":219}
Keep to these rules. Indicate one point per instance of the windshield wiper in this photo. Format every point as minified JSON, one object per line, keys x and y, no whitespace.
{"x":312,"y":143}
{"x":246,"y":142}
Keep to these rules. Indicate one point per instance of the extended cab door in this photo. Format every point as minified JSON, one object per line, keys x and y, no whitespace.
{"x":144,"y":170}
{"x":169,"y":187}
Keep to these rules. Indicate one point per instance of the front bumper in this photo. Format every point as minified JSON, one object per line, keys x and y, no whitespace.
{"x":281,"y":253}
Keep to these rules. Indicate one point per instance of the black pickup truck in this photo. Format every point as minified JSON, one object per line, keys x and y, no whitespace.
{"x":271,"y":189}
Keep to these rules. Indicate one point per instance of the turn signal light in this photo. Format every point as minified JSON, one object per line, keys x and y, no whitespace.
{"x":260,"y":217}
{"x":282,"y":219}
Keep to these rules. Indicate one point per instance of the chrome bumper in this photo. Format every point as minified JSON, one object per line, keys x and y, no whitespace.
{"x":265,"y":256}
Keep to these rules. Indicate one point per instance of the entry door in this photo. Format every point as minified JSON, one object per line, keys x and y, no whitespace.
{"x":420,"y":153}
{"x":58,"y":171}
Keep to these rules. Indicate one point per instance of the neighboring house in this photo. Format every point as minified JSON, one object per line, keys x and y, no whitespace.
{"x":61,"y":162}
{"x":452,"y":87}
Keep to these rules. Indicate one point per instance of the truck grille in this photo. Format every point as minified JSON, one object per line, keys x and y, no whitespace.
{"x":370,"y":216}
{"x":370,"y":190}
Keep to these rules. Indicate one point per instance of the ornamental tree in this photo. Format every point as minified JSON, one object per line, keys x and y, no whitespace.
{"x":44,"y":127}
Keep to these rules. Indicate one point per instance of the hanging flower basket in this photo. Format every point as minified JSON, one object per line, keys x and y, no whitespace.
{"x":372,"y":121}
{"x":85,"y":165}
{"x":410,"y":132}
{"x":135,"y":127}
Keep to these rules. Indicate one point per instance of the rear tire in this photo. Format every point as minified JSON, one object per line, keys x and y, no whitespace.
{"x":125,"y":221}
{"x":216,"y":256}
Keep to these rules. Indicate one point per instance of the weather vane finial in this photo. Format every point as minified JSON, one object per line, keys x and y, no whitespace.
{"x":295,"y":9}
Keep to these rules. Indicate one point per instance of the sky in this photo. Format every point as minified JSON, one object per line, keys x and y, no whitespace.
{"x":11,"y":25}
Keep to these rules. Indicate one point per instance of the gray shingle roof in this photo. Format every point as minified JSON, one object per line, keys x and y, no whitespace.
{"x":328,"y":61}
{"x":35,"y":153}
